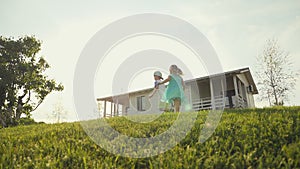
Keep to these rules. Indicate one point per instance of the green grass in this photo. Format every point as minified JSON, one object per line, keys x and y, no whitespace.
{"x":248,"y":138}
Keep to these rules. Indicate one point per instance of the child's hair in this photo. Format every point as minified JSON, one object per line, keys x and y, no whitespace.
{"x":175,"y":70}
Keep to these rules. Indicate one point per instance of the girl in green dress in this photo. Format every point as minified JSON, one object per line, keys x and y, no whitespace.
{"x":175,"y":90}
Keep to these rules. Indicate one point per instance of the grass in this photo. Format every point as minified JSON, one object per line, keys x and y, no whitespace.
{"x":247,"y":138}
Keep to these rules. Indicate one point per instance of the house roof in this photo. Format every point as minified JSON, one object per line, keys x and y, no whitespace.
{"x":124,"y":96}
{"x":248,"y":75}
{"x":245,"y":71}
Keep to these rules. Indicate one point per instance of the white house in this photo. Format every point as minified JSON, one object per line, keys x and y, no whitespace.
{"x":240,"y":88}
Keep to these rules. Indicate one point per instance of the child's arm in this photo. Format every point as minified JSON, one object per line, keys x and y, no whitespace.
{"x":155,"y":89}
{"x":156,"y":85}
{"x":166,"y":80}
{"x":153,"y":92}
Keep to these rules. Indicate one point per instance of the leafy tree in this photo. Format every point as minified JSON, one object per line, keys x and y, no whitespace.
{"x":275,"y":73}
{"x":23,"y":84}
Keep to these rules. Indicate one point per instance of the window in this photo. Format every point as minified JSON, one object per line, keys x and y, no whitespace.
{"x":141,"y":103}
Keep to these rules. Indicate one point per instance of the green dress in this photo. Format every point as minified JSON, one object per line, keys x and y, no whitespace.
{"x":174,"y":89}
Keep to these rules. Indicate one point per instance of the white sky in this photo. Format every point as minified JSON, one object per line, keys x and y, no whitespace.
{"x":236,"y":29}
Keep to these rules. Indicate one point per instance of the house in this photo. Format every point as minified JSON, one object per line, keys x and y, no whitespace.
{"x":238,"y":93}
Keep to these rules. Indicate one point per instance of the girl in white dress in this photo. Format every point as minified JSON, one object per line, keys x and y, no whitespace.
{"x":157,"y":95}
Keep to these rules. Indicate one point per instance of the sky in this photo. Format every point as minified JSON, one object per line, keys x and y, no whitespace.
{"x":237,"y":30}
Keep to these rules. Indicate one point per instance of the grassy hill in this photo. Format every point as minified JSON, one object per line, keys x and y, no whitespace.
{"x":250,"y":138}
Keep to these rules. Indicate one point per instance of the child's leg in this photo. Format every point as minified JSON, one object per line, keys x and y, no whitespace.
{"x":167,"y":108}
{"x":176,"y":105}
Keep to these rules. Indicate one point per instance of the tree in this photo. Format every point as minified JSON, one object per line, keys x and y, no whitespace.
{"x":276,"y":77}
{"x":23,"y":84}
{"x":59,"y":113}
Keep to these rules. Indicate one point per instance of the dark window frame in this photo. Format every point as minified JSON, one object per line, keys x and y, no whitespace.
{"x":141,"y":103}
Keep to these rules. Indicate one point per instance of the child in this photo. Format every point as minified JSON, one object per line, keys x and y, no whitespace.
{"x":158,"y":92}
{"x":175,"y":90}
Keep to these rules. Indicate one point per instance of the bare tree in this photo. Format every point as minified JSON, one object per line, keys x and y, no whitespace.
{"x":59,"y":113}
{"x":276,"y":77}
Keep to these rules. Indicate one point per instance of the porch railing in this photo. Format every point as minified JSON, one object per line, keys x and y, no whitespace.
{"x":240,"y":102}
{"x":206,"y":103}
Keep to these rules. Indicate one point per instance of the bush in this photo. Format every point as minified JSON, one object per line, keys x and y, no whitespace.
{"x":26,"y":121}
{"x":248,"y":138}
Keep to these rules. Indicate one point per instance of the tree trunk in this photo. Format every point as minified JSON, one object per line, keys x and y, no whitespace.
{"x":269,"y":98}
{"x":11,"y":116}
{"x":2,"y":121}
{"x":275,"y":96}
{"x":273,"y":85}
{"x":19,"y":111}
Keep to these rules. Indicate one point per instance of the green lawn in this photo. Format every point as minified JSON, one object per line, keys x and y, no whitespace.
{"x":250,"y":138}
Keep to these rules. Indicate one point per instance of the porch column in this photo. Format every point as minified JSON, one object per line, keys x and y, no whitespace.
{"x":104,"y":112}
{"x":115,"y":109}
{"x":213,"y":104}
{"x":236,"y":90}
{"x":223,"y":93}
{"x":247,"y":97}
{"x":111,"y":109}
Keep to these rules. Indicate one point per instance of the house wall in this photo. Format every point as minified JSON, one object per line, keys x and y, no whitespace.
{"x":196,"y":90}
{"x":229,"y":83}
{"x":124,"y":107}
{"x":249,"y":96}
{"x":193,"y":87}
{"x":133,"y":100}
{"x":188,"y":93}
{"x":204,"y":89}
{"x":251,"y":101}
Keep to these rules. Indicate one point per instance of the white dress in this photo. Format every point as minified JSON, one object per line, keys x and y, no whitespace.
{"x":157,"y":98}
